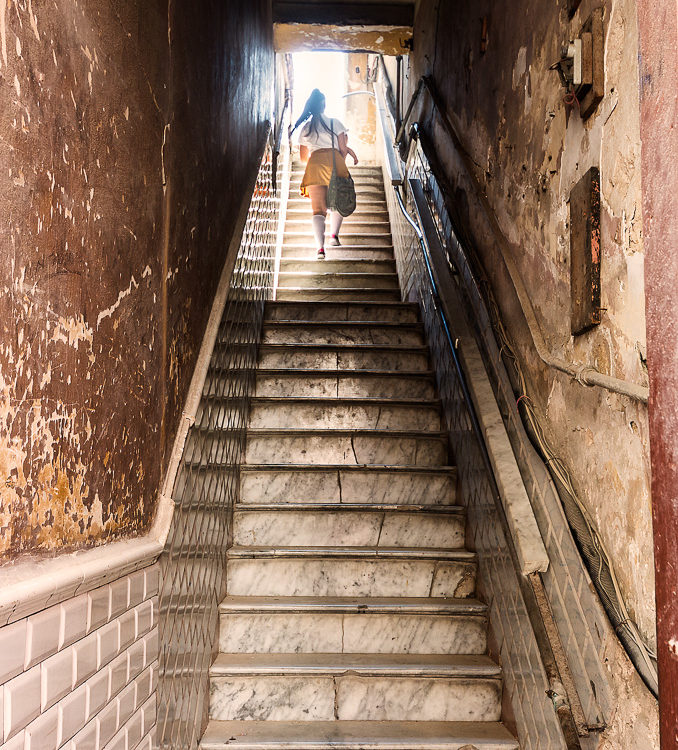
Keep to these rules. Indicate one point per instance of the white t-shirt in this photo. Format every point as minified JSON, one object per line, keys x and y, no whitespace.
{"x":318,"y":138}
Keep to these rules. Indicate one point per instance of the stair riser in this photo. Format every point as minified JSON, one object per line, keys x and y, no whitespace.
{"x":295,"y":359}
{"x":351,"y":634}
{"x":348,"y":226}
{"x":347,"y":239}
{"x":376,"y":313}
{"x":308,"y":250}
{"x":340,"y":577}
{"x":286,"y":415}
{"x":304,"y":265}
{"x":348,"y":529}
{"x":345,"y":450}
{"x":349,"y":697}
{"x":335,"y":485}
{"x":338,"y":295}
{"x":331,"y":280}
{"x":362,"y":213}
{"x":342,"y":335}
{"x":344,"y":387}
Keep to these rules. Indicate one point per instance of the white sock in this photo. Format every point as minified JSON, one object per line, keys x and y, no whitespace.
{"x":335,"y":223}
{"x":319,"y":230}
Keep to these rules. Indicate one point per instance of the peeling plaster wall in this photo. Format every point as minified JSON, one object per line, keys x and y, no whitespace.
{"x":126,"y":130}
{"x":509,"y":109}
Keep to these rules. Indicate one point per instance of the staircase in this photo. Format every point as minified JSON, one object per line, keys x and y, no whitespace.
{"x":350,"y":620}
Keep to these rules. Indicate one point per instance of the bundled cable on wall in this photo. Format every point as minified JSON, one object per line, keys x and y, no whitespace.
{"x":587,"y":537}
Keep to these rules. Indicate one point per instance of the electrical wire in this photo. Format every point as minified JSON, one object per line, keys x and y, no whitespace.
{"x":590,"y":543}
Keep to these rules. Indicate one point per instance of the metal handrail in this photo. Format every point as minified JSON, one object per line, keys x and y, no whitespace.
{"x":584,"y":374}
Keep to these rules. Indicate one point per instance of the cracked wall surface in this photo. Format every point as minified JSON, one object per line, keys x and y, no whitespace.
{"x":529,"y":153}
{"x":126,"y":132}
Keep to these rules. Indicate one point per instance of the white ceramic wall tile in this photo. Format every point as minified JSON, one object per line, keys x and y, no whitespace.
{"x":135,"y":659}
{"x":73,"y":620}
{"x":108,"y":639}
{"x":144,"y":618}
{"x":98,"y":608}
{"x":42,"y":636}
{"x":85,"y":659}
{"x":97,"y":694}
{"x":22,"y":701}
{"x":127,"y":626}
{"x":72,"y":714}
{"x":119,"y":742}
{"x":126,"y":701}
{"x":117,"y":675}
{"x":18,"y":742}
{"x":57,"y":678}
{"x":43,"y":733}
{"x":86,"y":675}
{"x":12,"y":650}
{"x":85,"y":739}
{"x":119,"y":597}
{"x":136,"y":584}
{"x":107,"y":723}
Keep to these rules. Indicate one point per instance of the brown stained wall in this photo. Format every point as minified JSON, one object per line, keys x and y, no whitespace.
{"x":105,"y":276}
{"x":508,"y":106}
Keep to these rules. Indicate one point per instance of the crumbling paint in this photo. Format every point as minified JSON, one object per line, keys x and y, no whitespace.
{"x":88,"y":341}
{"x":530,"y":151}
{"x":310,"y":37}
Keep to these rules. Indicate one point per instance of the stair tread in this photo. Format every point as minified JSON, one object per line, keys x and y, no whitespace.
{"x":414,"y":326}
{"x":410,"y":469}
{"x":433,"y":665}
{"x":339,"y":345}
{"x":301,"y":372}
{"x":444,"y":510}
{"x":361,"y":431}
{"x":357,"y":735}
{"x":354,"y":553}
{"x":349,"y":400}
{"x":343,"y":604}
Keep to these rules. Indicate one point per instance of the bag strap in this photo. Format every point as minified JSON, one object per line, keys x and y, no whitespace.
{"x":334,"y":158}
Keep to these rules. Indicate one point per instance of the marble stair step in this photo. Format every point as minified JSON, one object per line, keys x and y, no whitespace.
{"x":434,"y":486}
{"x":366,"y":203}
{"x":374,"y":239}
{"x":338,"y":414}
{"x":328,"y":279}
{"x":352,"y":224}
{"x":355,"y":384}
{"x":393,"y":312}
{"x":368,"y":687}
{"x":336,"y":265}
{"x":350,"y":571}
{"x":324,"y":358}
{"x":345,"y":447}
{"x":348,"y":525}
{"x":353,"y":332}
{"x":378,"y":213}
{"x":353,"y":252}
{"x":341,"y":294}
{"x":357,"y":735}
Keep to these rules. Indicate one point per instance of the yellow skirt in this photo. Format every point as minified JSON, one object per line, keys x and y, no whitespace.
{"x":319,"y":169}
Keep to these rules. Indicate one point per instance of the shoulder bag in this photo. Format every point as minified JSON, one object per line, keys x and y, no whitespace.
{"x":341,"y":190}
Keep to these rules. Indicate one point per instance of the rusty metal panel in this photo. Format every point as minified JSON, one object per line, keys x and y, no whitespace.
{"x":585,"y":252}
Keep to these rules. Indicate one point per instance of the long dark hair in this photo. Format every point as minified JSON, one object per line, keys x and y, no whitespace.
{"x":314,"y":107}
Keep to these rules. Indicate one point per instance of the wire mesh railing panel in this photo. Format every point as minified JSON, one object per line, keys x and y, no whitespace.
{"x":193,"y":564}
{"x":525,"y":681}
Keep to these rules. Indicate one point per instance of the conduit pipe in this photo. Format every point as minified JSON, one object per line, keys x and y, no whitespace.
{"x":584,"y":374}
